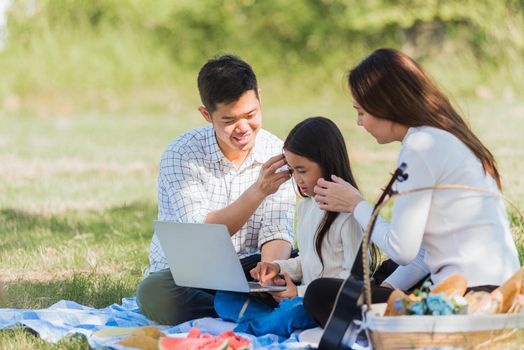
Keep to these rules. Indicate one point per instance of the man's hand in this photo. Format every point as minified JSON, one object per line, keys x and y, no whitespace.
{"x":290,"y":292}
{"x":265,"y":271}
{"x":236,"y":214}
{"x":269,"y":180}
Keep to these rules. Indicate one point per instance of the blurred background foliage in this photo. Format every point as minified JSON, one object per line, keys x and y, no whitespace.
{"x":98,"y":50}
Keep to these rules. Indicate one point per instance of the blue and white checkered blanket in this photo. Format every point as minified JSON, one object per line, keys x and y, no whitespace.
{"x":66,"y":318}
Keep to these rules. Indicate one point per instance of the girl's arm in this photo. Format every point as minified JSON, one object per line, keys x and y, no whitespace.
{"x":292,"y":266}
{"x":351,"y":234}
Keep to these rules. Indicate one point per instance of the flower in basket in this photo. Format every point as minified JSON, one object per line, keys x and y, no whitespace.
{"x":434,"y":304}
{"x":447,"y":298}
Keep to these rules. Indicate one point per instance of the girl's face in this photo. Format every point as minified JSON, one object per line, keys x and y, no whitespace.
{"x":383,"y":130}
{"x":305,"y":172}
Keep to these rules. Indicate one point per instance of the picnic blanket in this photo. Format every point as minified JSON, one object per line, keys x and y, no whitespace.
{"x":104,"y":327}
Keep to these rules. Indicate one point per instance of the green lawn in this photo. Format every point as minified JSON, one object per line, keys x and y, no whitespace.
{"x":78,"y":192}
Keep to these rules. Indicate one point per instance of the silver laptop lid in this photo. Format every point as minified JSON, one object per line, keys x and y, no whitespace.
{"x":201,"y":256}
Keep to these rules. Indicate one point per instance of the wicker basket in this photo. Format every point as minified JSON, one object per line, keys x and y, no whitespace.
{"x":465,"y":331}
{"x":409,"y":332}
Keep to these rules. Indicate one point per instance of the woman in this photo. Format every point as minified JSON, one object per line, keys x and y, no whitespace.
{"x":436,"y":232}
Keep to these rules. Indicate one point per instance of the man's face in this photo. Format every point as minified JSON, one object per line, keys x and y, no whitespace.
{"x":236,"y":124}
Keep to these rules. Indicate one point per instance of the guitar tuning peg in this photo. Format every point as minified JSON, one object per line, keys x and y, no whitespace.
{"x":403,"y":177}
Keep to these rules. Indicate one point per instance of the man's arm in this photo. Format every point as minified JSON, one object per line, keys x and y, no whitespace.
{"x":235,"y":215}
{"x":277,"y":234}
{"x":276,"y":249}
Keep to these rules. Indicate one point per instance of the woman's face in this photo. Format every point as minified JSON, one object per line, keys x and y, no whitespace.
{"x":383,"y":130}
{"x":305,"y":172}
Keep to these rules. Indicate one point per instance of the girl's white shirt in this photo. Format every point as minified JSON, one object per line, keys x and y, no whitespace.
{"x":339,"y":246}
{"x":443,"y":232}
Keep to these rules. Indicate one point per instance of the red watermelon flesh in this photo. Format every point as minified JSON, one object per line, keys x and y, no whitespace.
{"x":167,"y":343}
{"x":194,"y":333}
{"x":196,"y":341}
{"x":236,"y":342}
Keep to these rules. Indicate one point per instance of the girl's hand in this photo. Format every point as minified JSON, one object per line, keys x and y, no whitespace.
{"x":265,"y":271}
{"x":338,"y":196}
{"x":290,"y":292}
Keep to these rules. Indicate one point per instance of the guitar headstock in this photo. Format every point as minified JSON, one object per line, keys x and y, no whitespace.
{"x":400,"y":173}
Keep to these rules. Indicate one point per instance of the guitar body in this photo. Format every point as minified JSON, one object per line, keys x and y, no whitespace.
{"x":346,"y":309}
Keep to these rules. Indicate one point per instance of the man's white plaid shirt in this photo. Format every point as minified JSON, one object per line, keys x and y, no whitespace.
{"x":195,"y":178}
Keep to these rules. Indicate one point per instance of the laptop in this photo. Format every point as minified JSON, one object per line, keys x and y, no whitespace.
{"x":203,"y":256}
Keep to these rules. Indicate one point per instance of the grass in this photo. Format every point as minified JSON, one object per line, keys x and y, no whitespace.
{"x":78,"y":191}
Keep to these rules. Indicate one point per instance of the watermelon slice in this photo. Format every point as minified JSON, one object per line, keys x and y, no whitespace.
{"x":196,"y":341}
{"x":167,"y":343}
{"x":236,"y":342}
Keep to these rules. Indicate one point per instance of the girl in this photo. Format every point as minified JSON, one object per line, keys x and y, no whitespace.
{"x":436,"y":232}
{"x":327,"y":240}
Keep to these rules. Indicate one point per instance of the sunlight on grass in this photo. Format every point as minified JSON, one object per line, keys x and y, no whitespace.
{"x":22,"y":339}
{"x":78,"y":193}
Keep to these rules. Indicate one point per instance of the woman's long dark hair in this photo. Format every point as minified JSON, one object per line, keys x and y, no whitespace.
{"x":320,"y":140}
{"x":390,"y":85}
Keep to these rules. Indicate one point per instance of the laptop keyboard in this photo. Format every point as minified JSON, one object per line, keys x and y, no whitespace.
{"x":257,"y":287}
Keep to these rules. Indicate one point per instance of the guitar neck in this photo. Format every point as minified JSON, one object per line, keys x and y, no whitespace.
{"x":357,"y":271}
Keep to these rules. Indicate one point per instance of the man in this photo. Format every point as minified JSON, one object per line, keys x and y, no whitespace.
{"x":224,"y":173}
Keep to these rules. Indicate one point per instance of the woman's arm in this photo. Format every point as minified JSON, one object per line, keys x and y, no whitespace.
{"x":401,"y":239}
{"x":405,"y":277}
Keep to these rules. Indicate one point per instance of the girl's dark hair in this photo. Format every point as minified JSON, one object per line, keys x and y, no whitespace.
{"x":390,"y":85}
{"x":320,"y":140}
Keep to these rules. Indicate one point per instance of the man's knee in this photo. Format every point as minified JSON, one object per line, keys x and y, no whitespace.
{"x":160,"y":299}
{"x":156,"y":299}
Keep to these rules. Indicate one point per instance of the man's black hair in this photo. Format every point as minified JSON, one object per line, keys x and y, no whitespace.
{"x":224,"y":79}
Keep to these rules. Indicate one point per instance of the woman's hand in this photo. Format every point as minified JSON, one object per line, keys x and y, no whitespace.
{"x":387,"y":285}
{"x":290,"y":292}
{"x":265,"y":271}
{"x":338,"y":196}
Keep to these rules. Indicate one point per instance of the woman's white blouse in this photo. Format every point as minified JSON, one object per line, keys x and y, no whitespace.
{"x":444,"y":231}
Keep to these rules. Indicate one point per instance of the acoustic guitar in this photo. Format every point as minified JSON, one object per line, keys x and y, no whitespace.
{"x":339,"y":332}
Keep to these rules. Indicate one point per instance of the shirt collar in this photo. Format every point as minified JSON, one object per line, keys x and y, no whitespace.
{"x":259,"y":152}
{"x":213,"y":152}
{"x":410,"y":131}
